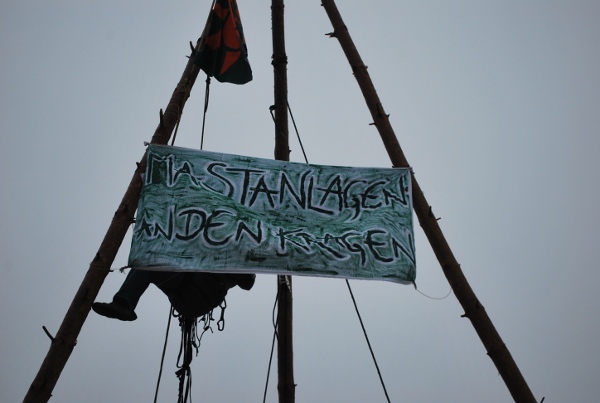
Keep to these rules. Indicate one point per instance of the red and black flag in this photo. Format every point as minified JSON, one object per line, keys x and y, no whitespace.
{"x":224,"y":55}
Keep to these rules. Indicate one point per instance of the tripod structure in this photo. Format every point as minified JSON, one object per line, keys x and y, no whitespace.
{"x":64,"y":341}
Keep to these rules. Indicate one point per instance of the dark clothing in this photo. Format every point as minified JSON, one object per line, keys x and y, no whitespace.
{"x":192,"y":294}
{"x":137,"y":281}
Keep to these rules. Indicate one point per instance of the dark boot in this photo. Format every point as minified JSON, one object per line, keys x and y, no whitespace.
{"x":117,"y":309}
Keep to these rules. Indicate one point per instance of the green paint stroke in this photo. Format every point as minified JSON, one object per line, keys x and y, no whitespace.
{"x":214,"y":212}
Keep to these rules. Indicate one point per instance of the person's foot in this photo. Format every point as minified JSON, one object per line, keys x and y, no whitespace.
{"x":116,"y":310}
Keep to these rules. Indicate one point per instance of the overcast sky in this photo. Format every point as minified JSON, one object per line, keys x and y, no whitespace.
{"x":495,"y":103}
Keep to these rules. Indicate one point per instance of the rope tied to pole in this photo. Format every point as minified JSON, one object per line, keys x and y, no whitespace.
{"x":368,"y":342}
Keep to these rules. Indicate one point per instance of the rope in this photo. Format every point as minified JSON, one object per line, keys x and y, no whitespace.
{"x":188,"y":336}
{"x":271,"y":109}
{"x":206,"y":97}
{"x":162,"y":359}
{"x":191,"y":340}
{"x":368,"y":342}
{"x":297,"y":133}
{"x":429,"y":296}
{"x":272,"y":346}
{"x":176,"y":125}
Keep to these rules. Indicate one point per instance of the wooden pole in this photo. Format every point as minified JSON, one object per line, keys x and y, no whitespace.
{"x":285,"y":352}
{"x":63,"y":343}
{"x":474,"y":310}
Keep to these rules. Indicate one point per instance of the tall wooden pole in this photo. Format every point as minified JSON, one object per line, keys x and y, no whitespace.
{"x":285,"y":352}
{"x":474,"y":310}
{"x":63,"y":343}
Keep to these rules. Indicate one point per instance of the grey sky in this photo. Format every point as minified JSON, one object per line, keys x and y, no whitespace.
{"x":496,"y":105}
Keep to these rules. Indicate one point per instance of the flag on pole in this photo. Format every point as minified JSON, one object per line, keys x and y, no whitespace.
{"x":224,"y":54}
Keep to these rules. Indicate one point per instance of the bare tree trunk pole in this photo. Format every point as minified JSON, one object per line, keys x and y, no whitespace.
{"x":63,"y":343}
{"x":285,"y":351}
{"x":474,"y":310}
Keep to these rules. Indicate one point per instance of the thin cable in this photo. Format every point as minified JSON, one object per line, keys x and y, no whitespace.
{"x":368,"y":342}
{"x":430,"y":297}
{"x":176,"y":125}
{"x":206,"y":98}
{"x":162,"y":360}
{"x":273,"y":317}
{"x":271,"y":109}
{"x":272,"y":347}
{"x":297,"y":133}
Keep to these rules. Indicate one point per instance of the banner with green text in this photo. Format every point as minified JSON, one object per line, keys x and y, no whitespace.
{"x":204,"y":211}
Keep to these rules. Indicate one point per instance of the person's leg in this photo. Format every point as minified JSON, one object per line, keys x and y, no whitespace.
{"x":212,"y":289}
{"x":135,"y":284}
{"x":126,"y":299}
